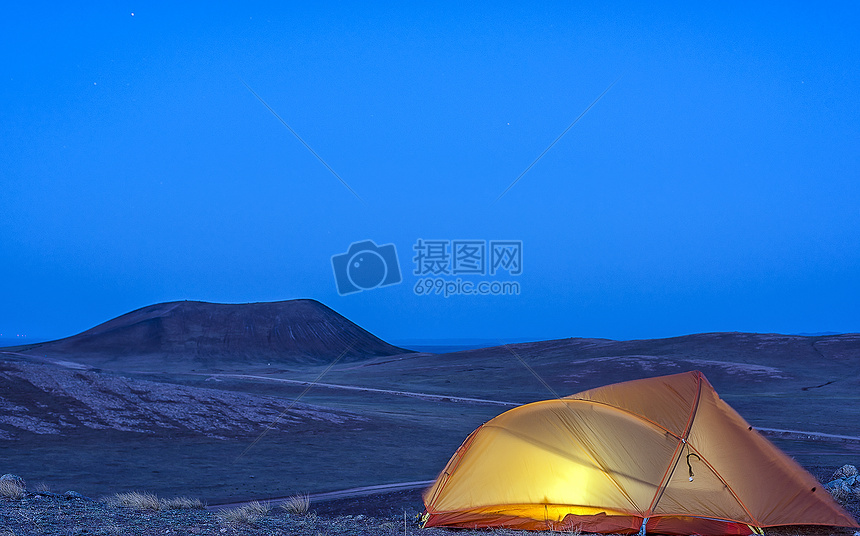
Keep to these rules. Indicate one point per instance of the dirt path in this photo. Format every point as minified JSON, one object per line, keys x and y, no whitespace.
{"x":789,"y":434}
{"x":800,"y":434}
{"x":335,"y":495}
{"x":423,"y":396}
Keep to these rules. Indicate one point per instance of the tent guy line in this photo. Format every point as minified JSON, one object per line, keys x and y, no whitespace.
{"x":308,"y":147}
{"x":560,"y":136}
{"x":296,"y":400}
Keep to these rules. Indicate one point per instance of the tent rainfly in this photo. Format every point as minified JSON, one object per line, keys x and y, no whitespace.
{"x":660,"y":455}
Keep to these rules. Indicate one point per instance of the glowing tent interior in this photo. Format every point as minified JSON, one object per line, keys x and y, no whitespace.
{"x":660,"y":455}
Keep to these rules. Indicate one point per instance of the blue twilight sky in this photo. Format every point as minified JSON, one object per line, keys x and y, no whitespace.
{"x":716,"y":186}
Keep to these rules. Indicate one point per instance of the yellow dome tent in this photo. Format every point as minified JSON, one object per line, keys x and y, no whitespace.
{"x":661,"y":455}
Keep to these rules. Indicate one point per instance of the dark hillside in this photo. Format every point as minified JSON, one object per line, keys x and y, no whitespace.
{"x":175,"y":335}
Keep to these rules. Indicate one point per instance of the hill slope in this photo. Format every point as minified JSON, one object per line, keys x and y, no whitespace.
{"x":58,"y":401}
{"x":808,"y":383}
{"x":173,"y":335}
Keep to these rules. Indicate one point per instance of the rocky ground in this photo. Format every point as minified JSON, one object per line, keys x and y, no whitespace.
{"x":44,"y":513}
{"x":69,"y":515}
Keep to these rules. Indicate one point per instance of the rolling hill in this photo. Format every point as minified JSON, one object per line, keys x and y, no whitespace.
{"x":749,"y":363}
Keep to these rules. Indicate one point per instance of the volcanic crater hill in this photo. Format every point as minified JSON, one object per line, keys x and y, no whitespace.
{"x":176,"y":335}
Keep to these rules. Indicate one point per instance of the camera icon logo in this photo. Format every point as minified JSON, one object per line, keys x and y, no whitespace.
{"x":365,"y":266}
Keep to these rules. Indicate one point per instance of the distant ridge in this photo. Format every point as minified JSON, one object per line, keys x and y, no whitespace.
{"x":218,"y":334}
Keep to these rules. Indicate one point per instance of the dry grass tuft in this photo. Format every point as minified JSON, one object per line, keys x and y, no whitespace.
{"x":11,"y":489}
{"x":136,"y":500}
{"x":246,"y":514}
{"x":297,"y":504}
{"x":182,"y":503}
{"x":148,"y":501}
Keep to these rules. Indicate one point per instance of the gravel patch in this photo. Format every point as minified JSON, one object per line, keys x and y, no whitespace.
{"x":57,"y":515}
{"x":385,"y":514}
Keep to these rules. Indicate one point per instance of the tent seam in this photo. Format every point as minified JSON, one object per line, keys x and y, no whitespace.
{"x":462,"y":452}
{"x":625,"y":411}
{"x":676,"y":455}
{"x":728,"y":487}
{"x":590,"y":457}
